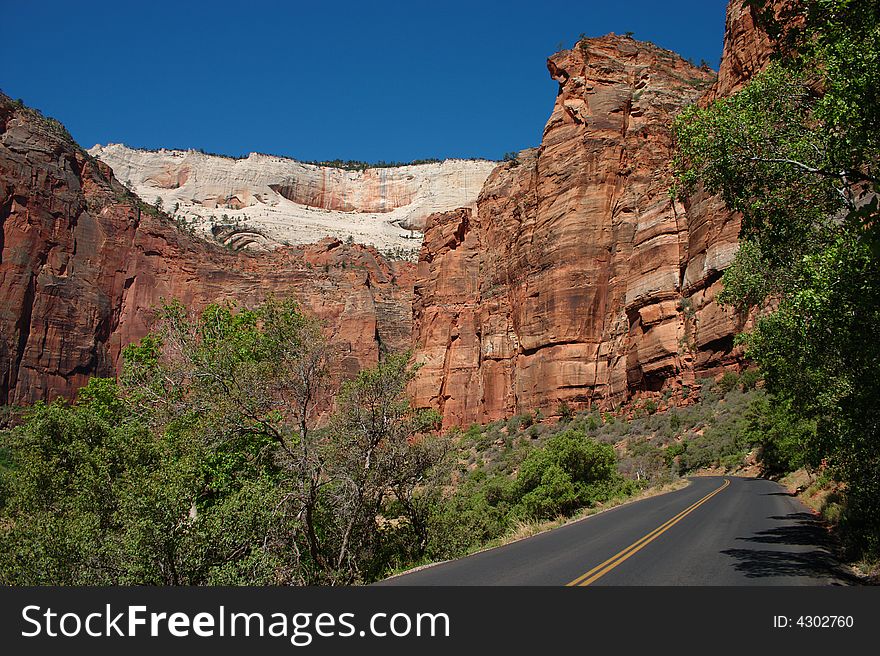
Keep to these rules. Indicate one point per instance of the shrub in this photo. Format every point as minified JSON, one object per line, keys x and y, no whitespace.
{"x":674,"y":421}
{"x":562,"y":476}
{"x":468,"y":518}
{"x":749,"y":379}
{"x":785,"y":441}
{"x":673,"y":451}
{"x":592,"y":423}
{"x":564,"y":411}
{"x":708,"y":390}
{"x":728,"y":381}
{"x":554,"y":495}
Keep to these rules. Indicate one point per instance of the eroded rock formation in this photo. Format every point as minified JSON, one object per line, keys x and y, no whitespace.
{"x":82,"y":268}
{"x":573,"y":278}
{"x":276,"y":200}
{"x":747,"y":47}
{"x":577,"y":279}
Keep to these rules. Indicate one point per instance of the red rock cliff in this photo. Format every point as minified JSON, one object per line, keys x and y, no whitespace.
{"x":747,"y":47}
{"x":577,"y":279}
{"x":81,"y":270}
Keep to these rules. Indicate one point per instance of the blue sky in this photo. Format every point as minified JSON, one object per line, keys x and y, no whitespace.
{"x":366,"y":80}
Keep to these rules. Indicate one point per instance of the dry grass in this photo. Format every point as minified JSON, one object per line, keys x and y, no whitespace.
{"x":821,"y":496}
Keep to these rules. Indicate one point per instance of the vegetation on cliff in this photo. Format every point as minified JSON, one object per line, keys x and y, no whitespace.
{"x":797,"y":153}
{"x":205,"y":464}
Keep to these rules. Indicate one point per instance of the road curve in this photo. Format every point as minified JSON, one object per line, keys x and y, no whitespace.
{"x":717,"y":531}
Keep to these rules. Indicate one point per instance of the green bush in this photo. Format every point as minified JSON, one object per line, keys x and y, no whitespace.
{"x":565,"y":412}
{"x":476,"y":513}
{"x":749,"y":379}
{"x":785,"y":441}
{"x":708,"y":390}
{"x":558,"y":478}
{"x":192,"y":474}
{"x":675,"y":421}
{"x":728,"y":381}
{"x":553,"y":494}
{"x":673,"y":451}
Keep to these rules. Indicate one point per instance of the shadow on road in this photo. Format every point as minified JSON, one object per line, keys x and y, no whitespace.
{"x":788,"y":552}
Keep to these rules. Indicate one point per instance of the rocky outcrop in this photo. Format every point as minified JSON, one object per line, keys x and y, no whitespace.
{"x":276,"y":200}
{"x":573,"y":277}
{"x":83,"y":265}
{"x":747,"y":46}
{"x":746,"y":50}
{"x":577,"y":279}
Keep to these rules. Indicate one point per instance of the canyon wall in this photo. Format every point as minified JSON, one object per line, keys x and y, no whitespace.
{"x":83,"y":265}
{"x":576,"y":279}
{"x":260,"y":201}
{"x":747,"y":47}
{"x":572,"y":277}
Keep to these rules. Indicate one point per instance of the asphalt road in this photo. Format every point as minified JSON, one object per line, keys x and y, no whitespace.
{"x":716,"y":531}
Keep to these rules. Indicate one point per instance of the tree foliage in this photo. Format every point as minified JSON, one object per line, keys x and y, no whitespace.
{"x":209,"y":464}
{"x":221,"y":458}
{"x":796,"y":152}
{"x":571,"y":471}
{"x":568,"y":472}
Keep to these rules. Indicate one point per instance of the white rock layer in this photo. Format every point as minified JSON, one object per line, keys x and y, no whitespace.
{"x":261,"y":200}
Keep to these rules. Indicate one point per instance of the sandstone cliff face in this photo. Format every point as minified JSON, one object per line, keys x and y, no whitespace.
{"x":576,"y":279}
{"x":572,"y":278}
{"x":81,"y":269}
{"x":747,"y":47}
{"x":266,"y":200}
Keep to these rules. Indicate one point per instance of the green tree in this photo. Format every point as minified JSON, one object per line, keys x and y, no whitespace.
{"x":211,"y":464}
{"x":569,"y":472}
{"x":728,"y":382}
{"x":786,"y":441}
{"x":565,"y":412}
{"x":249,"y":384}
{"x":477,"y":512}
{"x":796,"y":152}
{"x":380,"y":448}
{"x":68,"y":468}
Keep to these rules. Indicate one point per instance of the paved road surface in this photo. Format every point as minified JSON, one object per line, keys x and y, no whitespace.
{"x":716,"y":531}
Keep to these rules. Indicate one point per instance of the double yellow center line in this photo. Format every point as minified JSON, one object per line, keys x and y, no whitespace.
{"x":603,"y":568}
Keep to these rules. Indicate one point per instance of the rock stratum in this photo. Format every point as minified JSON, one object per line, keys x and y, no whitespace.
{"x":576,"y":279}
{"x":83,"y":266}
{"x":572,"y":277}
{"x":261,"y":201}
